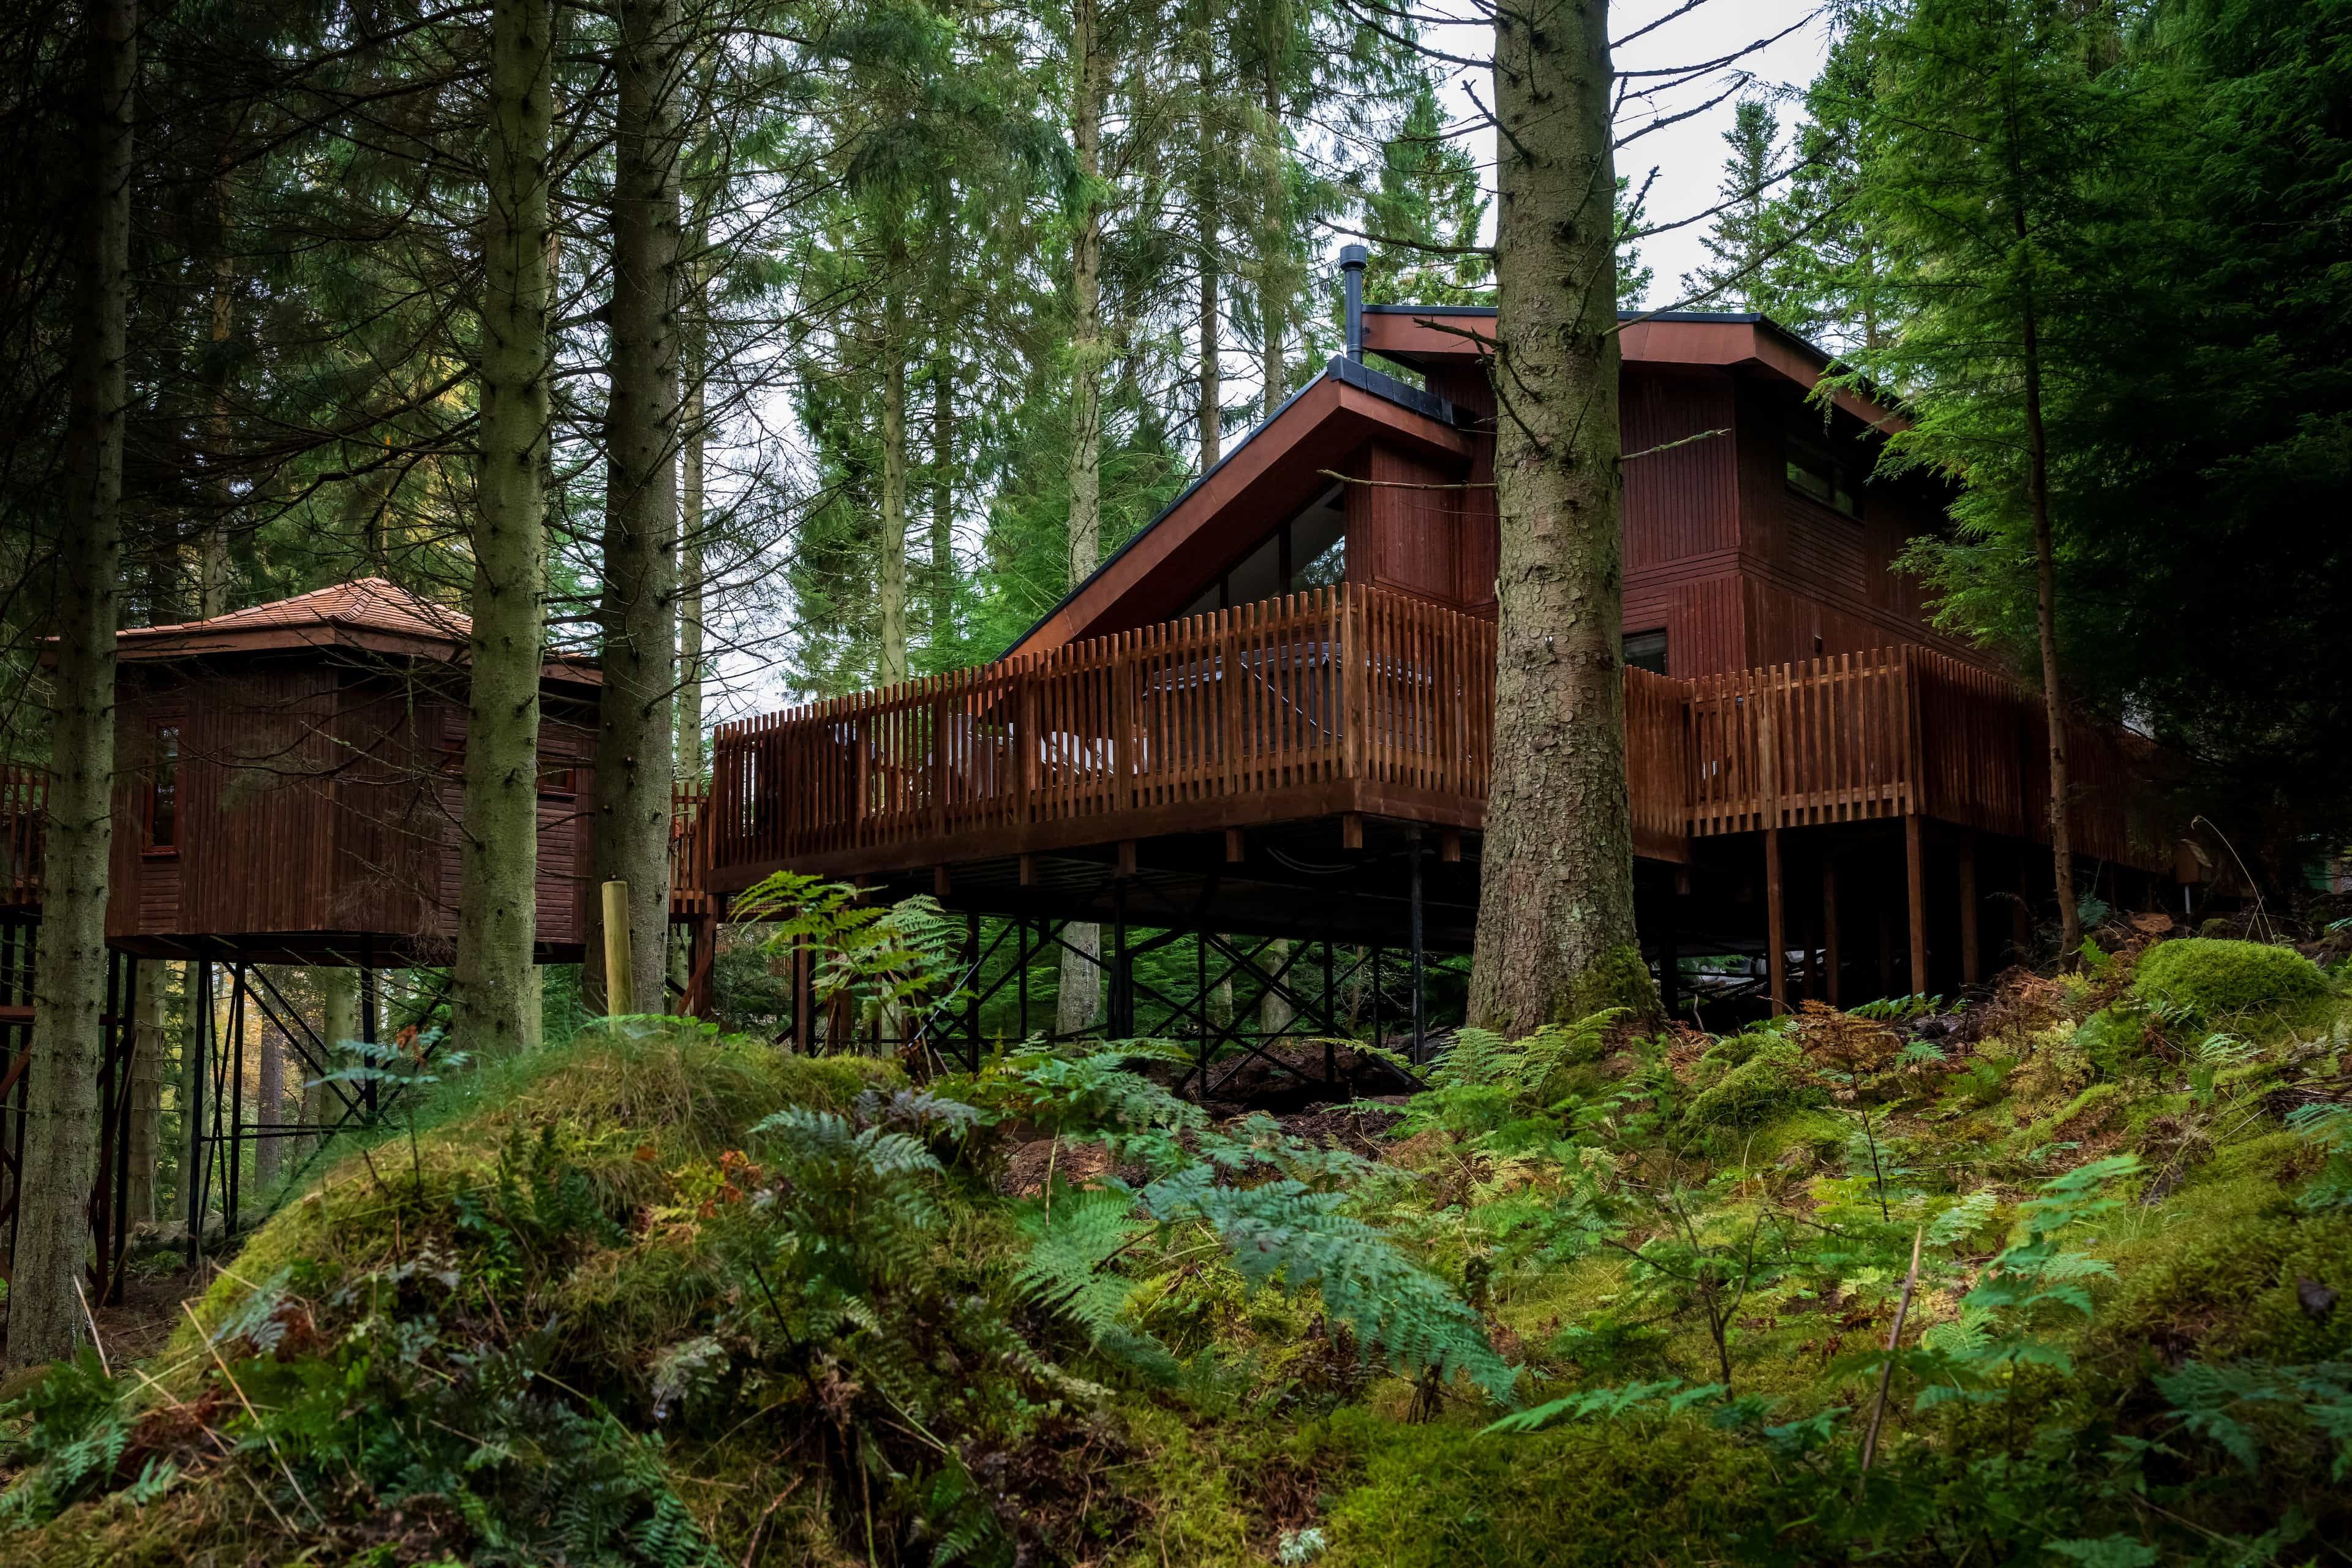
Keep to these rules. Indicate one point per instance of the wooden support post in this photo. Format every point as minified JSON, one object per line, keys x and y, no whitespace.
{"x":620,"y":992}
{"x":803,"y":996}
{"x":1127,"y":857}
{"x":971,"y":990}
{"x":1971,"y":959}
{"x":1886,"y":950}
{"x":1020,"y":975}
{"x":1670,"y":957}
{"x":1776,"y":922}
{"x":2021,"y":918}
{"x":1234,"y":846}
{"x":1809,"y":942}
{"x":941,"y":882}
{"x":1351,"y":830}
{"x":1449,"y":847}
{"x":1915,"y":879}
{"x":1830,"y":955}
{"x":1122,"y":974}
{"x":198,"y":1035}
{"x":1028,"y":871}
{"x":1420,"y":1019}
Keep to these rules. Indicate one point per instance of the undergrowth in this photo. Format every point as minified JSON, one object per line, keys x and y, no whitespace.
{"x":2054,"y":1279}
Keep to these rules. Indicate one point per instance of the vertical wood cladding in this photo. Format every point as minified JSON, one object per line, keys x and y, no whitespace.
{"x":1404,"y":524}
{"x":320,"y":799}
{"x":1736,"y":566}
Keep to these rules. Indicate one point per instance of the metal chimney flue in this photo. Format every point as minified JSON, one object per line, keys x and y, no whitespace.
{"x":1352,"y":259}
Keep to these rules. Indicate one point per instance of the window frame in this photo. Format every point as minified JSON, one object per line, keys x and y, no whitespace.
{"x":162,"y":767}
{"x":1841,"y":475}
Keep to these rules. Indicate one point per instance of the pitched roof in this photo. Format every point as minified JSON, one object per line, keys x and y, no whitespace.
{"x":370,"y":614}
{"x":1262,"y":473}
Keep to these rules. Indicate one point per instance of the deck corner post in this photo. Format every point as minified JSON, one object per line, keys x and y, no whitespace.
{"x":1914,"y":877}
{"x":198,"y":1034}
{"x":1776,"y":922}
{"x":1420,"y":1016}
{"x":1831,"y":956}
{"x":1970,"y":956}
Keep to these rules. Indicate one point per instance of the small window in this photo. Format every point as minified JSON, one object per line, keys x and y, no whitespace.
{"x":1815,"y":472}
{"x":558,"y":776}
{"x":164,"y":793}
{"x":1646,"y":650}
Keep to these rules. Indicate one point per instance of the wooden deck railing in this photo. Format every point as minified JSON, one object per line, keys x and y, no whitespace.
{"x":23,"y":805}
{"x":1132,"y":734}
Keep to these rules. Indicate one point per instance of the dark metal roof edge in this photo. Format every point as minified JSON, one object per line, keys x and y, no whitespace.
{"x":1351,"y":372}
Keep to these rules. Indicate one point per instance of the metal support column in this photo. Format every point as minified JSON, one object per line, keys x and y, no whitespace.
{"x":1122,"y":973}
{"x":1420,"y":1018}
{"x":198,"y":1037}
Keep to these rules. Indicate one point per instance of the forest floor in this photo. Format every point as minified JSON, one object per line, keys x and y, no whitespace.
{"x":1597,"y":1296}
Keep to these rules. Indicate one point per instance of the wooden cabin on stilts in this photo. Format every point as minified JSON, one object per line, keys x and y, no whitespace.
{"x":1263,"y":727}
{"x":289,"y":785}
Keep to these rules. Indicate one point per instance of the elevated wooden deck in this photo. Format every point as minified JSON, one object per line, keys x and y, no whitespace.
{"x":1353,"y":701}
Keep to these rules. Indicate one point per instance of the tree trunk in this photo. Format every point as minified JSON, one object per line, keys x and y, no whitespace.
{"x":268,"y":1109}
{"x":2054,"y":692}
{"x":636,"y":765}
{"x":1205,"y":227}
{"x":942,"y":583}
{"x":193,"y":1084}
{"x":220,"y":495}
{"x":1275,"y":1012}
{"x":145,"y":1126}
{"x":1274,"y":276}
{"x":1079,"y":998}
{"x":691,"y":559}
{"x":1077,"y":1004}
{"x":70,"y":968}
{"x":1556,"y":938}
{"x":498,"y":857}
{"x":891,"y":585}
{"x":338,"y":994}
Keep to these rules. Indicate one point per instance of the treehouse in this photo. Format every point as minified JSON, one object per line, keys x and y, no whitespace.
{"x":291,"y":781}
{"x":289,"y":791}
{"x":1268,"y":717}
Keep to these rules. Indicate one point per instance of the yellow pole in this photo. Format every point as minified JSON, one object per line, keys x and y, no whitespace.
{"x":618,"y":999}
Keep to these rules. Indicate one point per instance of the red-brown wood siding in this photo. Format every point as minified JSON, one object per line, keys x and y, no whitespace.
{"x":1401,"y":537}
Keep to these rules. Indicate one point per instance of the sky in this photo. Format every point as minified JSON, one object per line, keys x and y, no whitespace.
{"x":1688,"y":155}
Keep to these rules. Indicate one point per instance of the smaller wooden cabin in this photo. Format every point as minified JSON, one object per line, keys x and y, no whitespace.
{"x":291,"y":783}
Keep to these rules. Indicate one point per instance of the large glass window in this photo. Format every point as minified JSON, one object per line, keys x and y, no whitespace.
{"x":163,"y":791}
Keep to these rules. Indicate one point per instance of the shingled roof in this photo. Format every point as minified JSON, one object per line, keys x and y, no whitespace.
{"x":371,"y":615}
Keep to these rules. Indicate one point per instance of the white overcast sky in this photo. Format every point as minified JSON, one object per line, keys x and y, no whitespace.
{"x":1689,"y":156}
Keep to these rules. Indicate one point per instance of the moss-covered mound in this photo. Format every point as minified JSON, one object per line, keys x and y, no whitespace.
{"x":661,"y":1298}
{"x":2213,"y":977}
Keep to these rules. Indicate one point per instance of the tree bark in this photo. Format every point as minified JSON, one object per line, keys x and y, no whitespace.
{"x":146,"y":1119}
{"x":499,"y":857}
{"x":891,"y":580}
{"x":220,"y":495}
{"x":1556,"y":937}
{"x":1206,"y":228}
{"x":635,"y":763}
{"x":1274,"y":275}
{"x":70,"y":968}
{"x":1078,"y":1003}
{"x":338,"y":994}
{"x":2053,"y":692}
{"x":943,"y":475}
{"x":691,"y":559}
{"x":1275,"y":1012}
{"x":269,"y":1108}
